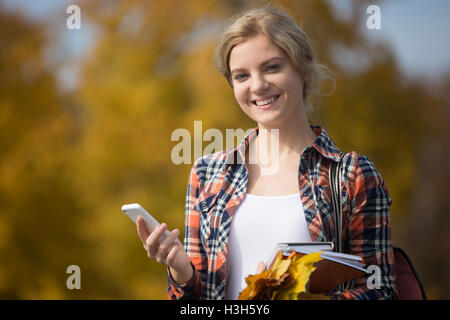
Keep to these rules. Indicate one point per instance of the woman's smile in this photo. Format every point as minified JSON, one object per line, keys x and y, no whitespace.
{"x":266,"y":103}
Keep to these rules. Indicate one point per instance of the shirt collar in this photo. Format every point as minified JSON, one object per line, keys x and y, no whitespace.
{"x":323,"y":144}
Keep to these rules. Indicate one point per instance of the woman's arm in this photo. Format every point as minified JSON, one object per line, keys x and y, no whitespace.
{"x":369,"y":229}
{"x":192,"y":244}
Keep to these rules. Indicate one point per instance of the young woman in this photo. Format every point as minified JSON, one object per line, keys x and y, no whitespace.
{"x":237,"y":209}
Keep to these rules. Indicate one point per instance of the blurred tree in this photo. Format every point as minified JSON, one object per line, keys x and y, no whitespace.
{"x":38,"y":206}
{"x":68,"y":162}
{"x":41,"y":221}
{"x":426,"y":229}
{"x":140,"y":84}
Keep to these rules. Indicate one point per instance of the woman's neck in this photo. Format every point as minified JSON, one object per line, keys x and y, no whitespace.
{"x":285,"y":142}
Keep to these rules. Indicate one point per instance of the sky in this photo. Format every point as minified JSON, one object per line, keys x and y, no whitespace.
{"x":416,"y":30}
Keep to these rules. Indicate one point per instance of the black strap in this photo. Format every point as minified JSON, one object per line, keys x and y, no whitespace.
{"x":336,"y":197}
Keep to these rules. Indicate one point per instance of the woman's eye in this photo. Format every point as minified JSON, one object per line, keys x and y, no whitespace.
{"x":273,"y":67}
{"x":239,"y":77}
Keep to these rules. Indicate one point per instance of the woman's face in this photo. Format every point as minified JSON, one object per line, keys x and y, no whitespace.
{"x":266,"y":84}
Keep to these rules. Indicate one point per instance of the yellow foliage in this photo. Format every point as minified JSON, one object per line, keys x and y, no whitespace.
{"x":286,"y":280}
{"x":70,"y":159}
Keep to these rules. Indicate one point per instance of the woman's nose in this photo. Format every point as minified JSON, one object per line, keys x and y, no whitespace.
{"x":258,"y":84}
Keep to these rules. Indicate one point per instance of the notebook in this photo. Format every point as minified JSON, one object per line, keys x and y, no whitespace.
{"x":334,"y":269}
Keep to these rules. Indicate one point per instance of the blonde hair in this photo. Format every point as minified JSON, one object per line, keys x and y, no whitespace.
{"x":284,"y":32}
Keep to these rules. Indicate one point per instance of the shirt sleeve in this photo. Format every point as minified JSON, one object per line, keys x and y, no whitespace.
{"x":192,"y":244}
{"x":369,"y":231}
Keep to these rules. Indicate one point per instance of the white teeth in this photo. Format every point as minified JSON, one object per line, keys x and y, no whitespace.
{"x":264,"y":102}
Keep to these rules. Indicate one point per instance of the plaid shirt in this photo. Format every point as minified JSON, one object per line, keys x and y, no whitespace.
{"x":218,"y":184}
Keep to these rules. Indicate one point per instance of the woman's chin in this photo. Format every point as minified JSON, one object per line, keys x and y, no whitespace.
{"x":269,"y":121}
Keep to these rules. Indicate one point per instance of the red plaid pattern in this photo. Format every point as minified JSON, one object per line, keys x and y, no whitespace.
{"x":218,"y":183}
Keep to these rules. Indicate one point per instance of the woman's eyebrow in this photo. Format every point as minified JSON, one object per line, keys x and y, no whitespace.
{"x":262,"y":64}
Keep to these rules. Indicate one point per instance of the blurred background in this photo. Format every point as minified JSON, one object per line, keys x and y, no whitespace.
{"x":86,"y":117}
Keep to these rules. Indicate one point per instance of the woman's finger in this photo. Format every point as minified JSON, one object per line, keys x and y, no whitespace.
{"x":168,"y":243}
{"x":154,"y":240}
{"x":170,"y":259}
{"x":142,"y":229}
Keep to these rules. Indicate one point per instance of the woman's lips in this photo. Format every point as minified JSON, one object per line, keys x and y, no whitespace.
{"x":266,"y":103}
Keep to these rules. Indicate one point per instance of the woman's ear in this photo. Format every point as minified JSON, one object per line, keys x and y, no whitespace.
{"x":304,"y":75}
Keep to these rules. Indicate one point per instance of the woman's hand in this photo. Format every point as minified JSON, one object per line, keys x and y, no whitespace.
{"x":167,"y":251}
{"x":260,"y":267}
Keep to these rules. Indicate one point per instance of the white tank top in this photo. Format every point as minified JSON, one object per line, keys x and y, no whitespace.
{"x":257,"y":226}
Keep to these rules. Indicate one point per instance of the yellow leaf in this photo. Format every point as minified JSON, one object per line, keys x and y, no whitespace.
{"x":280,"y":266}
{"x":255,"y":283}
{"x":286,"y":280}
{"x":263,"y":285}
{"x":300,"y":269}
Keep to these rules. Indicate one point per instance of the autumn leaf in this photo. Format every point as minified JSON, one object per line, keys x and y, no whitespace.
{"x":286,"y":280}
{"x":255,"y":283}
{"x":280,"y":266}
{"x":262,"y":285}
{"x":301,"y":269}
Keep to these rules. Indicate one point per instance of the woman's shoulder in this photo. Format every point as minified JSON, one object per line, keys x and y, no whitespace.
{"x":209,"y":166}
{"x":361,"y":175}
{"x":356,"y":165}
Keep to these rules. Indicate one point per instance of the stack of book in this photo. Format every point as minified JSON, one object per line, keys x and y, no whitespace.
{"x":334,"y":269}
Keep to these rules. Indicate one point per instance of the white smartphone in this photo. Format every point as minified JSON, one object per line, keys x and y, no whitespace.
{"x":134,"y":210}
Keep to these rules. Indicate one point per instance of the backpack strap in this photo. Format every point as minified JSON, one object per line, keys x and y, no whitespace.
{"x":335,"y":175}
{"x":336,"y":196}
{"x":409,"y":285}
